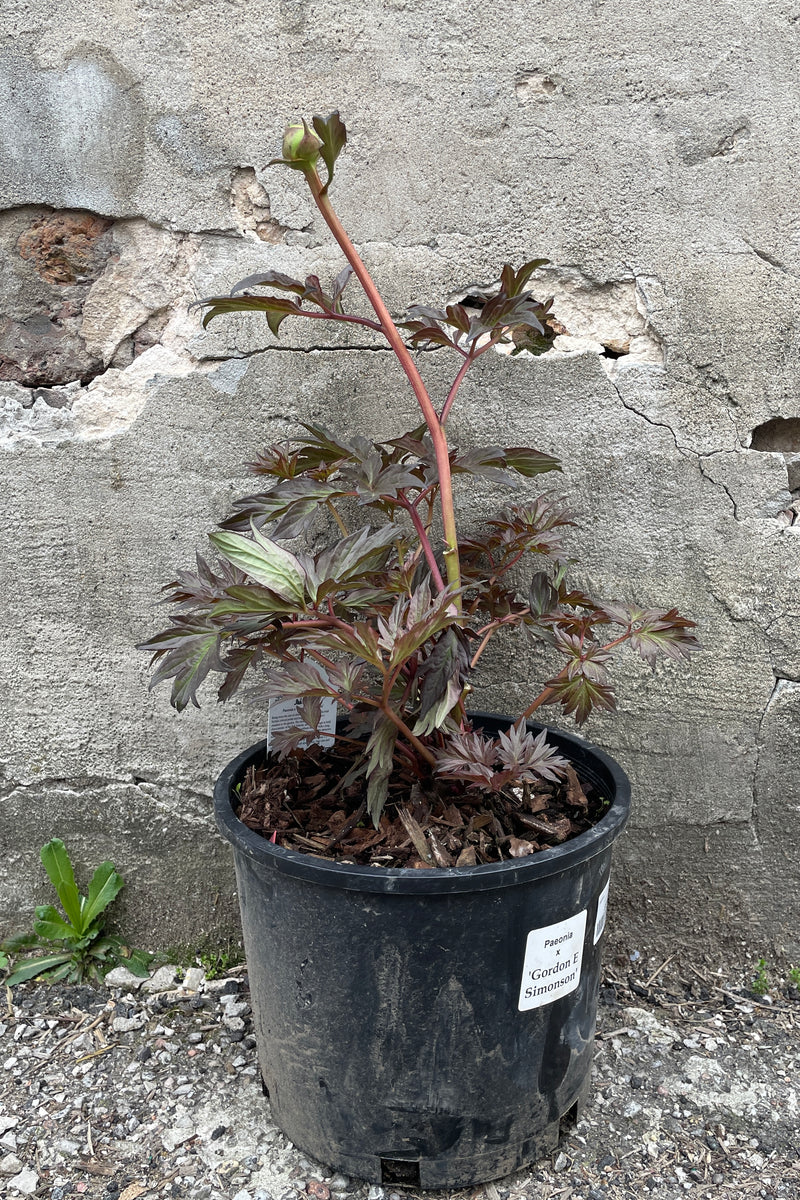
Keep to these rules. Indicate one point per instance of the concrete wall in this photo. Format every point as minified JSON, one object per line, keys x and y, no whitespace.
{"x":649,"y":153}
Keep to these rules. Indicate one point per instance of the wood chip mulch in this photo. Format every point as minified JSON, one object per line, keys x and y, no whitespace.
{"x":315,"y":802}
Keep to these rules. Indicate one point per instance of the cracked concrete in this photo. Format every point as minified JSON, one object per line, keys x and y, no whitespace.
{"x":639,"y":152}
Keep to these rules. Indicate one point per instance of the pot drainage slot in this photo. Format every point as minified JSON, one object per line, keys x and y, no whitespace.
{"x":570,"y":1119}
{"x":400,"y":1170}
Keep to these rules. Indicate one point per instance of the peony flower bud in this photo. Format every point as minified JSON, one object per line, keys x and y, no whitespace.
{"x":300,"y":144}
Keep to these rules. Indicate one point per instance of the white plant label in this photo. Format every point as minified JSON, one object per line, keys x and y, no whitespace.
{"x":602,"y":909}
{"x":284,"y":714}
{"x":552,"y":966}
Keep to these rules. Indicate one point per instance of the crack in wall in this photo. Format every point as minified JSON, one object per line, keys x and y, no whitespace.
{"x":682,"y":450}
{"x":240,"y":355}
{"x":770,"y":260}
{"x":720,"y":484}
{"x":180,"y":798}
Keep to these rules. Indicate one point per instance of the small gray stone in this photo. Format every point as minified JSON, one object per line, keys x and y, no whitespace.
{"x":214,"y":986}
{"x":233,"y":1007}
{"x":123,"y":978}
{"x":66,"y":1146}
{"x":128,"y":1024}
{"x":10,"y":1165}
{"x":162,"y":980}
{"x":193,"y":979}
{"x":172,"y":1138}
{"x":26,"y":1182}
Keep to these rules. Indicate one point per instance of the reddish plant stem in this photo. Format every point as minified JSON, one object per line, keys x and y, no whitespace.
{"x":544,"y":697}
{"x":451,"y":395}
{"x":424,"y":542}
{"x":329,"y":315}
{"x":392,"y":335}
{"x":469,"y":359}
{"x":492,"y":629}
{"x":397,"y":720}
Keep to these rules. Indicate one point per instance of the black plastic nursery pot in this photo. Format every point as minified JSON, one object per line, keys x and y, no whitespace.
{"x":426,"y":1027}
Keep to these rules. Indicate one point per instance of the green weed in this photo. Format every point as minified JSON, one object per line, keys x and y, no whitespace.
{"x":760,"y":984}
{"x":70,"y":945}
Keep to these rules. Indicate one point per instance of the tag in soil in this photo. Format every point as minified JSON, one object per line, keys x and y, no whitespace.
{"x":602,"y":909}
{"x":552,"y":966}
{"x":284,"y":714}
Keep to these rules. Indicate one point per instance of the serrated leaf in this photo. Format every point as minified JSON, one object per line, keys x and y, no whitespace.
{"x":294,"y":678}
{"x":103,"y":887}
{"x":264,"y":561}
{"x":359,"y":553}
{"x":360,"y":641}
{"x":251,"y":598}
{"x":37,"y":966}
{"x":49,"y":924}
{"x":664,"y":633}
{"x":57,"y":863}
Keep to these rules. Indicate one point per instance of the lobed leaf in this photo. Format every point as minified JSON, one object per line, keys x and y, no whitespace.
{"x":664,"y":633}
{"x":188,"y":663}
{"x":580,"y":695}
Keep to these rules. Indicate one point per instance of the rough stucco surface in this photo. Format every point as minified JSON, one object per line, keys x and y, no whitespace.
{"x":649,"y":155}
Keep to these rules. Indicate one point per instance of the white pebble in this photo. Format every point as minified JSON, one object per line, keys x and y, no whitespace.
{"x":26,"y":1182}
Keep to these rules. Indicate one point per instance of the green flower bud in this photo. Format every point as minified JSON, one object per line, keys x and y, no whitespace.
{"x":300,"y":144}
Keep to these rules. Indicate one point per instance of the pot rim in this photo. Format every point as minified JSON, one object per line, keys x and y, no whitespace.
{"x":435,"y":880}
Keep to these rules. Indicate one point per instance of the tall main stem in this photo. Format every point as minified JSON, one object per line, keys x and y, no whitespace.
{"x":393,"y":337}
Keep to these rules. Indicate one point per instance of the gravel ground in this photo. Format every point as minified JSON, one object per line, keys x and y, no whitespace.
{"x":125,"y":1093}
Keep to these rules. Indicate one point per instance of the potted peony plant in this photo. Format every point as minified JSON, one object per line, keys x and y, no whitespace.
{"x":423,"y":890}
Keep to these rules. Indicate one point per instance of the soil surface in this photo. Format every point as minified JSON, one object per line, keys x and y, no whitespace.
{"x":135,"y":1093}
{"x":316,"y":803}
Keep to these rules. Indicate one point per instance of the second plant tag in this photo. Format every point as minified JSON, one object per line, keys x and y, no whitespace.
{"x":284,"y":714}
